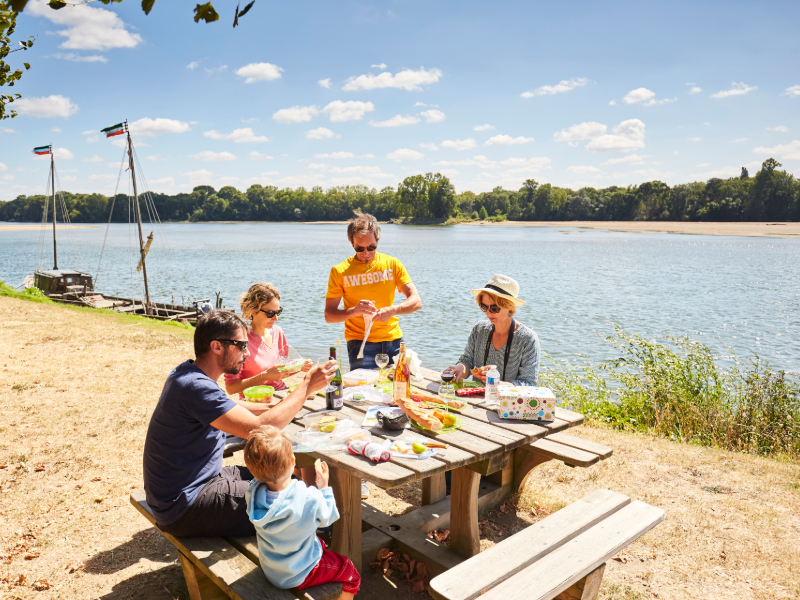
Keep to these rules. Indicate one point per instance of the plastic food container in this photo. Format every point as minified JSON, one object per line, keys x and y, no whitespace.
{"x":291,"y":365}
{"x":360,"y":377}
{"x":259,"y":393}
{"x":323,"y":420}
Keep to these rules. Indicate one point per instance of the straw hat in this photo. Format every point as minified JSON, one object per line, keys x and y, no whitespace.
{"x":502,"y":286}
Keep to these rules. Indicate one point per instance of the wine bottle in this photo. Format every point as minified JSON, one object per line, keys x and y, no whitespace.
{"x":402,"y":377}
{"x":333,"y":393}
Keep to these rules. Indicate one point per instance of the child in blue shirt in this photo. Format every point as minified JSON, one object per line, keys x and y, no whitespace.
{"x":286,"y":515}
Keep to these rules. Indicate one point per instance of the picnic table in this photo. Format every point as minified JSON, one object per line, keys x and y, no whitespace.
{"x":484,"y":445}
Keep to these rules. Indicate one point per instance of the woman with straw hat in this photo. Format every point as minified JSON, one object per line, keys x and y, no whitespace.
{"x":500,"y":341}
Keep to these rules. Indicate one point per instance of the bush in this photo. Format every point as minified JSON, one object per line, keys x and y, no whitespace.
{"x":34,"y":294}
{"x":677,"y":391}
{"x":483,"y":214}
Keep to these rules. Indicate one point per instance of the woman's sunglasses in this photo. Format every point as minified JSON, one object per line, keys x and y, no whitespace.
{"x":365,"y":248}
{"x":494,"y":309}
{"x":272,"y":313}
{"x":240,"y":344}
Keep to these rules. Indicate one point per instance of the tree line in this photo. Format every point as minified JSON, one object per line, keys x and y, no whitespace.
{"x":770,"y":195}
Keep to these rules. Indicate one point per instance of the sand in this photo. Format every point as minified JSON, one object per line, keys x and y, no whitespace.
{"x":78,"y":387}
{"x":775,"y":230}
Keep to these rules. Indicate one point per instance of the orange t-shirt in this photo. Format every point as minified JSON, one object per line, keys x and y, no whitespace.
{"x":354,"y":281}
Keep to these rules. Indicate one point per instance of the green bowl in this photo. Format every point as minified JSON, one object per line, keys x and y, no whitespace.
{"x":259,"y":393}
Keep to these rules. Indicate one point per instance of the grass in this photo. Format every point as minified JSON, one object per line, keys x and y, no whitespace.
{"x":676,"y":390}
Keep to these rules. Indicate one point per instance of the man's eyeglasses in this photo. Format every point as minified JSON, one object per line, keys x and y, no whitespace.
{"x":272,"y":313}
{"x":365,"y":248}
{"x":240,"y":344}
{"x":494,"y":309}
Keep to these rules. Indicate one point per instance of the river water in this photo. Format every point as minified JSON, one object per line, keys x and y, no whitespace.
{"x":732,"y":293}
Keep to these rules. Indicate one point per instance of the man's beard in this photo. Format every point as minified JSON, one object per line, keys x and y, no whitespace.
{"x":230,"y":365}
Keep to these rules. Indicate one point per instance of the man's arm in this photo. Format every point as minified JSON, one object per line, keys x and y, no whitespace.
{"x":411,"y":304}
{"x":334,"y":314}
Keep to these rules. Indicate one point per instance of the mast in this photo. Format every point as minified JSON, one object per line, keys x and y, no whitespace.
{"x":53,"y":190}
{"x":147,"y":306}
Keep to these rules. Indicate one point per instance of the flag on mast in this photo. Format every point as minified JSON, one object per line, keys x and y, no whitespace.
{"x":117,"y":129}
{"x":42,"y":150}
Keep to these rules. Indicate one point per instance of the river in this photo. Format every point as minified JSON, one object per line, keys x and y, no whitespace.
{"x":735,"y":294}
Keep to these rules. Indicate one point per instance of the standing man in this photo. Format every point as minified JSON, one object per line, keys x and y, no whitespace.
{"x":366,"y":282}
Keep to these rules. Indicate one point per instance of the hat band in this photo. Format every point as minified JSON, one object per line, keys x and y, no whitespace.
{"x":497,"y":289}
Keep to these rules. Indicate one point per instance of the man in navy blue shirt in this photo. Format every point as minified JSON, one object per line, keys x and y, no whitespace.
{"x":187,"y":488}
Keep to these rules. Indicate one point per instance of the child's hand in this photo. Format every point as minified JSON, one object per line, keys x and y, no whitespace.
{"x":322,"y":474}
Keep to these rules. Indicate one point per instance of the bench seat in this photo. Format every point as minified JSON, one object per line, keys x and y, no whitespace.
{"x":562,"y":556}
{"x":572,"y":451}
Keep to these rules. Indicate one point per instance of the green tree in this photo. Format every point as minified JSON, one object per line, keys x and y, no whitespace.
{"x":8,"y":77}
{"x":413,"y":196}
{"x":483,"y":214}
{"x":441,"y":196}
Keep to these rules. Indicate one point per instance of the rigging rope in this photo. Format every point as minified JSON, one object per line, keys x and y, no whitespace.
{"x":110,"y":214}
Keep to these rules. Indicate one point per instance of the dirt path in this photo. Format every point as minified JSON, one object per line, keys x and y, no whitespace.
{"x":78,"y":388}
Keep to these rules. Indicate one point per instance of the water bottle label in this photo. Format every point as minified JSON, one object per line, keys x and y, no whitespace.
{"x":491,"y":381}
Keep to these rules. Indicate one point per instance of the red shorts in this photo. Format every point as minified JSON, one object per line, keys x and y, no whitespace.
{"x":333,"y":567}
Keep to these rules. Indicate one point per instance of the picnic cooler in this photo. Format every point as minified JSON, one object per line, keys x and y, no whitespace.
{"x":526,"y":403}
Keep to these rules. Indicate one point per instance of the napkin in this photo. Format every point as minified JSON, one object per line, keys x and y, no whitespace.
{"x":367,"y":328}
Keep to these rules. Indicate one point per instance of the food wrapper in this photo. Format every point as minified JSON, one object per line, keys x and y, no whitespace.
{"x":526,"y":403}
{"x":374,"y":452}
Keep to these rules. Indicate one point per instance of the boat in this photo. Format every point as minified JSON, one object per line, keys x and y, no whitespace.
{"x":76,"y":287}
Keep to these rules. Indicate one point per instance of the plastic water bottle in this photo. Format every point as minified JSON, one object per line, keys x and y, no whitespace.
{"x":492,"y":394}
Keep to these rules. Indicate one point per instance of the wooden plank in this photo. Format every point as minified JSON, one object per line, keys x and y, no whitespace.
{"x":567,"y":454}
{"x":434,"y":489}
{"x":574,"y":419}
{"x":530,"y":430}
{"x":512,"y":555}
{"x":504,"y":477}
{"x":491,"y":465}
{"x":464,"y":534}
{"x":198,"y":585}
{"x":601,"y":450}
{"x":229,"y":569}
{"x":573,"y":561}
{"x":586,"y":588}
{"x":347,"y":529}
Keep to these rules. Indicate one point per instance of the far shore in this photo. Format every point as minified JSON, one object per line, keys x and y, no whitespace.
{"x":28,"y":227}
{"x":774,"y":230}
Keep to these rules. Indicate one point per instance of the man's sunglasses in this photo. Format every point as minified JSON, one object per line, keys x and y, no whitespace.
{"x":240,"y":344}
{"x":365,"y":248}
{"x":494,"y":309}
{"x":272,"y":313}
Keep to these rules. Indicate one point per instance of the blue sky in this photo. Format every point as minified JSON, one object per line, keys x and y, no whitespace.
{"x":323,"y":93}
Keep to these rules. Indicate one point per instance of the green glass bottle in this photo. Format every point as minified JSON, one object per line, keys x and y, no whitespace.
{"x":333,"y":393}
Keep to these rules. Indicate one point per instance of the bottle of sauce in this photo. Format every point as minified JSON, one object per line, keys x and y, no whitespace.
{"x":333,"y":393}
{"x":402,"y":376}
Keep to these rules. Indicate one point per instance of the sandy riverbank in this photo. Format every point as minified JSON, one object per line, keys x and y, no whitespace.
{"x":79,"y":387}
{"x":776,"y":230}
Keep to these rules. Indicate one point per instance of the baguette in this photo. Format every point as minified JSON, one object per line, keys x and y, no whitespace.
{"x":413,"y":410}
{"x":437,"y":445}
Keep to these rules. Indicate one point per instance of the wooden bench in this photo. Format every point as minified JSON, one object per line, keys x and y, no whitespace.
{"x":562,"y":556}
{"x":217,"y":568}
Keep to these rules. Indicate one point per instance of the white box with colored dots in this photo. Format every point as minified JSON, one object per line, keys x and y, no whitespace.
{"x":526,"y":403}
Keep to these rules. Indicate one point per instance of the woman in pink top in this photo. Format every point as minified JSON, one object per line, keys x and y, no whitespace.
{"x":261,"y":304}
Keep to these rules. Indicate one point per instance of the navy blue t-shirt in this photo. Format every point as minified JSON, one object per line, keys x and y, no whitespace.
{"x":182,"y":451}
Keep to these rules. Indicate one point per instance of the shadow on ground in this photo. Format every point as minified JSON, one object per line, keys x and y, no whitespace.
{"x":147,"y":544}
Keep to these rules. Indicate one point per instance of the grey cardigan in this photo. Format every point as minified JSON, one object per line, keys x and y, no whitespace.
{"x":523,"y":359}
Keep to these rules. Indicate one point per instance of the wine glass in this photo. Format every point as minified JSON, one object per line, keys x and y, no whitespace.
{"x":382,"y":360}
{"x":447,"y":389}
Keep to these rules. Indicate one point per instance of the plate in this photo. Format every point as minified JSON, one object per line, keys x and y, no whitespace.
{"x":437,"y":406}
{"x":455,"y":427}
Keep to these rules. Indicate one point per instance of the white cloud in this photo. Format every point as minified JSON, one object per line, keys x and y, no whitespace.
{"x":199,"y":174}
{"x":408,"y":80}
{"x":582,"y":169}
{"x":251,"y":120}
{"x":459,"y":144}
{"x":612,"y":103}
{"x":638,"y":95}
{"x":402,"y":154}
{"x":381,"y":66}
{"x":627,"y":136}
{"x":296,"y":114}
{"x":259,"y":72}
{"x":352,"y":110}
{"x":506,"y":140}
{"x":396,"y":121}
{"x":193,"y":65}
{"x":208,"y":155}
{"x":526,"y":164}
{"x":7,"y":130}
{"x":60,"y":153}
{"x":738,"y":89}
{"x":695,"y":90}
{"x":326,"y":83}
{"x":476,"y":161}
{"x":563,"y":86}
{"x":370,"y":171}
{"x":87,"y":28}
{"x":416,"y":104}
{"x":11,"y":177}
{"x":784,"y":151}
{"x":657,"y":102}
{"x":335,"y":155}
{"x":258,"y":156}
{"x":3,"y":167}
{"x":320,"y":133}
{"x":237,"y":136}
{"x":448,"y":172}
{"x":703,"y":165}
{"x":102,"y":177}
{"x":433,"y":116}
{"x":582,"y":131}
{"x":155,"y":158}
{"x":428,"y":146}
{"x":94,"y":159}
{"x":779,"y":128}
{"x":148,"y":127}
{"x":163,"y":181}
{"x":634,"y":159}
{"x":94,"y":138}
{"x":486,"y":127}
{"x":792,"y":91}
{"x":71,"y":56}
{"x":46,"y":107}
{"x":723,"y":173}
{"x":56,"y":130}
{"x":737,"y":140}
{"x":113,"y":165}
{"x":212,"y":70}
{"x":695,"y":139}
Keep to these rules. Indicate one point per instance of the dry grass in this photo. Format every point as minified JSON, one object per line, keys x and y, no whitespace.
{"x":78,"y":389}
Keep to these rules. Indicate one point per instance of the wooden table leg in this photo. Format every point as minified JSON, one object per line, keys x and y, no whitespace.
{"x":464,"y":534}
{"x":199,"y":586}
{"x":347,"y":530}
{"x":524,"y":462}
{"x":434,"y":488}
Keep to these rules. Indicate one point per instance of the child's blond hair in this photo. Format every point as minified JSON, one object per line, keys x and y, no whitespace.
{"x":268,"y":454}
